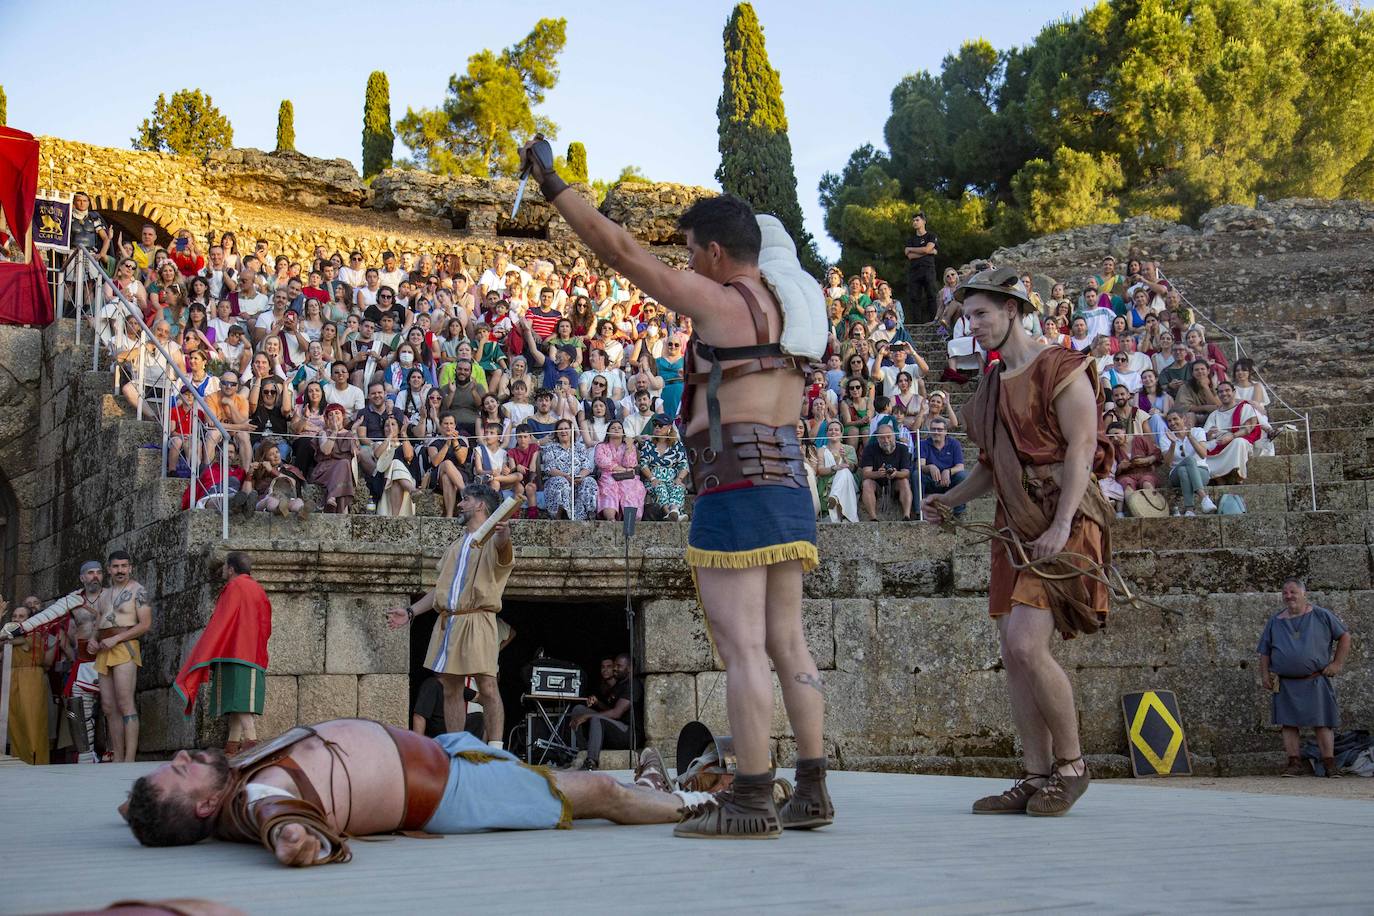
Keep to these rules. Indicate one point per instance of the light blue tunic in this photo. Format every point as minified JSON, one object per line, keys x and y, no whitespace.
{"x":496,"y":794}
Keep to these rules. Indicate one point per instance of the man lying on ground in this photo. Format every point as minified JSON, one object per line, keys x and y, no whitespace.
{"x":302,"y":793}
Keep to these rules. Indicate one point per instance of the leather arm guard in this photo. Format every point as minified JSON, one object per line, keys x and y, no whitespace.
{"x":278,"y":811}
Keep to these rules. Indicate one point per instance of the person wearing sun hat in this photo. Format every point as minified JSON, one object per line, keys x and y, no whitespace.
{"x":1037,"y":419}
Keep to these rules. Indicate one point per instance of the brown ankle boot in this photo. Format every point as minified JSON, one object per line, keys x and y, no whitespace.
{"x":745,"y":811}
{"x":1295,"y":768}
{"x":810,"y":806}
{"x":1332,"y":771}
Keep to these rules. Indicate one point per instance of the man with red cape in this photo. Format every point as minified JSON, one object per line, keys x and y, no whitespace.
{"x":232,"y":654}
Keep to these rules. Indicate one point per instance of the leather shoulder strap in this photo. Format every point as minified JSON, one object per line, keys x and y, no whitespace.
{"x":259,"y":756}
{"x":755,"y":311}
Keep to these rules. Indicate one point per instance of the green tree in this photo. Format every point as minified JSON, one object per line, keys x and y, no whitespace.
{"x":378,"y":137}
{"x":1166,"y":107}
{"x":577,"y":163}
{"x":188,"y":125}
{"x":4,"y":108}
{"x":755,"y":152}
{"x":286,"y":127}
{"x":489,"y":109}
{"x":1071,"y":189}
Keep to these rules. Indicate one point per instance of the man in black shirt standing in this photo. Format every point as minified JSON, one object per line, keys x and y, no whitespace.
{"x":920,"y":251}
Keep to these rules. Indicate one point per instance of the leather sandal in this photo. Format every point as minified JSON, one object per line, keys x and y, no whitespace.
{"x":1060,"y":791}
{"x":1295,"y":768}
{"x":810,"y":806}
{"x":744,"y":811}
{"x":232,"y":747}
{"x":651,"y":773}
{"x":1012,"y":801}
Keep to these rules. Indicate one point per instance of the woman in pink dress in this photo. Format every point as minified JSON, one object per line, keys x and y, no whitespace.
{"x":618,"y":486}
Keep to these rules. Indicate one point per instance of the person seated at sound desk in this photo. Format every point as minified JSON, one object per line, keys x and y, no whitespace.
{"x":607,"y":718}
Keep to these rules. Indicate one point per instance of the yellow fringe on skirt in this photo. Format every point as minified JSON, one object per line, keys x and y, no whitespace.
{"x":565,"y":820}
{"x":760,"y":556}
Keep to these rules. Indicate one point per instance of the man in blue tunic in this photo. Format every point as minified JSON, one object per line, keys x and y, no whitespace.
{"x":1296,"y":663}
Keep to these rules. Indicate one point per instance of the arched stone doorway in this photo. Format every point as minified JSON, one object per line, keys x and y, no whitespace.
{"x":128,"y":217}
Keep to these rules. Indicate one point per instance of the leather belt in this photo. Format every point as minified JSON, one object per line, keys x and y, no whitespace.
{"x":425,"y":766}
{"x":107,"y":632}
{"x":755,"y":453}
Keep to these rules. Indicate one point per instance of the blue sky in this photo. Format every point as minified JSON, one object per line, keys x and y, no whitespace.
{"x":639,"y":80}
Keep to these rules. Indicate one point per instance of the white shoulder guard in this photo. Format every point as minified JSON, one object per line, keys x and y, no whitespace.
{"x":805,"y":325}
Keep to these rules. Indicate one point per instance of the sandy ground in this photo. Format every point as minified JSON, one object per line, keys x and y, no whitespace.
{"x":1346,"y":787}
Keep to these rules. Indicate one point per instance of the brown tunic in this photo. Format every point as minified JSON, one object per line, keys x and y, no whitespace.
{"x":1025,"y":407}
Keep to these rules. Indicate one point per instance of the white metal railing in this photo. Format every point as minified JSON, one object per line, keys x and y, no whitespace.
{"x":1268,"y":389}
{"x":87,"y":265}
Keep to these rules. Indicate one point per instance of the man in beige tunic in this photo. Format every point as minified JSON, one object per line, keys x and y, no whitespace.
{"x":467,"y":596}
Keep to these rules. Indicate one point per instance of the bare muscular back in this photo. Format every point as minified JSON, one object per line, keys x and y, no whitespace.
{"x":773,"y":397}
{"x":362,"y":789}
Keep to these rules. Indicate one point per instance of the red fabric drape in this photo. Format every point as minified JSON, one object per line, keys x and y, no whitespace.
{"x":23,"y":287}
{"x":18,"y":178}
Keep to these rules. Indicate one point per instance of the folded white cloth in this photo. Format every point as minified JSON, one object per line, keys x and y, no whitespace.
{"x":805,"y":325}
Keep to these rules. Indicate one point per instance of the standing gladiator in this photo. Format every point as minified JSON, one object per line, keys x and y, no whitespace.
{"x":1037,"y":419}
{"x":123,"y":615}
{"x":81,"y":691}
{"x":753,"y":528}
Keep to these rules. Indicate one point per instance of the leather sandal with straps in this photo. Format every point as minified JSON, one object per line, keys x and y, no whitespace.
{"x":1060,"y":791}
{"x":1012,"y":801}
{"x":744,"y":811}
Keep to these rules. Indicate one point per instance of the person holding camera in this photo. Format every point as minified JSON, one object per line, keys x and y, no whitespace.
{"x":886,"y":463}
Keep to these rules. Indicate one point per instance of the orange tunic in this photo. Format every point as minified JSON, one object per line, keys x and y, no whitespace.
{"x":1026,"y":407}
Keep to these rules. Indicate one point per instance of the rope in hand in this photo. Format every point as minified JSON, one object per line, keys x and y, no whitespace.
{"x":1117,"y":586}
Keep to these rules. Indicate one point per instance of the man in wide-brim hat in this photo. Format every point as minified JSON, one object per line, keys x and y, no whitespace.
{"x":1037,"y":418}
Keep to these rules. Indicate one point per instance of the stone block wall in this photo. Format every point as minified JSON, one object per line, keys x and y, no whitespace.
{"x":296,"y":202}
{"x":20,"y":396}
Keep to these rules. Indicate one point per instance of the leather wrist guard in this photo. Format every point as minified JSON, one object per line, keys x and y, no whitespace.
{"x":551,"y":185}
{"x":276,"y":811}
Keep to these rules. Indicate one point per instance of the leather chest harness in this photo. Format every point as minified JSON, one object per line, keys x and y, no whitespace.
{"x":734,"y":454}
{"x":424,"y":765}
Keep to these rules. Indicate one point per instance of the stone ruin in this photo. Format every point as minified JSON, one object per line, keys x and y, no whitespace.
{"x":895,"y":614}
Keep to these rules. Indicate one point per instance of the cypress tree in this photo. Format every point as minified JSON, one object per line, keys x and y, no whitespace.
{"x":4,"y":108}
{"x":755,"y":153}
{"x":286,"y":127}
{"x":577,"y":162}
{"x":378,"y":136}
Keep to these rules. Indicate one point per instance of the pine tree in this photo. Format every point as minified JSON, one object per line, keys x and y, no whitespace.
{"x":286,"y":127}
{"x":188,"y":125}
{"x":755,"y":153}
{"x":577,"y":162}
{"x":378,"y":136}
{"x":4,"y":108}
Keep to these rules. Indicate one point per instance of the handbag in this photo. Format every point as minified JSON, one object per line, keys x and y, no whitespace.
{"x":622,"y":475}
{"x":1147,"y":504}
{"x":1230,"y":504}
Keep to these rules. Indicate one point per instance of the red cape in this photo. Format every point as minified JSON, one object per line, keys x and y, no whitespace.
{"x":238,"y":632}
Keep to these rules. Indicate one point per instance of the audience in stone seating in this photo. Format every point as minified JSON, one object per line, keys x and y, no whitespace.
{"x":560,"y":383}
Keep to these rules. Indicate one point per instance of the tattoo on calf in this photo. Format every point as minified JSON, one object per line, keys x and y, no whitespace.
{"x":810,"y":680}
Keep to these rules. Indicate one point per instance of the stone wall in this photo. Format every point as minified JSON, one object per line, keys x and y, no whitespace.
{"x":296,"y":202}
{"x":20,"y":365}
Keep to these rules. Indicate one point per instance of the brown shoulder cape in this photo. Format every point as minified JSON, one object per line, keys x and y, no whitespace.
{"x":1070,"y":598}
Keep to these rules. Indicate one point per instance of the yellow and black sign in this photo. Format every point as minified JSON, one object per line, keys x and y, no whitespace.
{"x":1154,"y":731}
